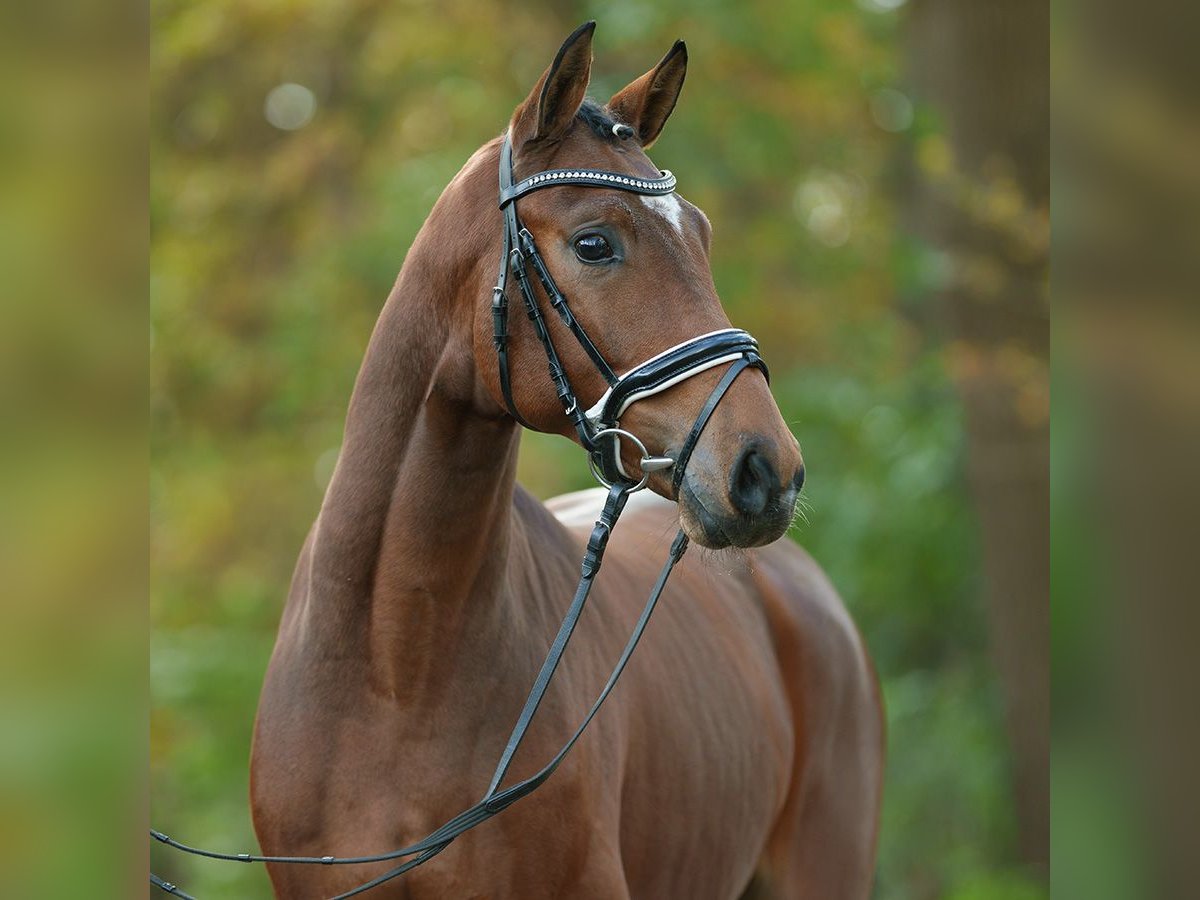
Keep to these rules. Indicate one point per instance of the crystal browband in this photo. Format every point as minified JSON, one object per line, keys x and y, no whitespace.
{"x":664,"y":184}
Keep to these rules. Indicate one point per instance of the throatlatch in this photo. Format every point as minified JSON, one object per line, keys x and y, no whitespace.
{"x":600,"y":434}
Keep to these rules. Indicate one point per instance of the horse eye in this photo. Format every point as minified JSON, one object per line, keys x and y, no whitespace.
{"x":593,"y":248}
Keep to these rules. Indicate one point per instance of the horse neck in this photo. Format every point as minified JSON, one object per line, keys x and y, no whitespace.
{"x":409,"y":551}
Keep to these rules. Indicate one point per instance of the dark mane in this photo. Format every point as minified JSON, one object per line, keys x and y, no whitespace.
{"x":597,"y":119}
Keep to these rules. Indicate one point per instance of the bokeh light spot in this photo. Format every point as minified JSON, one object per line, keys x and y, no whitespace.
{"x":891,"y":110}
{"x":290,"y":106}
{"x":826,"y":202}
{"x":881,"y":6}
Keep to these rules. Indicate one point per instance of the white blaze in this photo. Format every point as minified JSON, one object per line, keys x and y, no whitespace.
{"x":667,"y":206}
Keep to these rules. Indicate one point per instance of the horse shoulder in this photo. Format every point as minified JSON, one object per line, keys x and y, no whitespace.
{"x":837,"y":709}
{"x":810,"y":623}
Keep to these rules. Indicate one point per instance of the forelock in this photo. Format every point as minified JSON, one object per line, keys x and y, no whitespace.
{"x":597,"y":118}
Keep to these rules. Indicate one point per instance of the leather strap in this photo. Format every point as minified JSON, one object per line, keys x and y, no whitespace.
{"x":514,"y":261}
{"x":689,"y":443}
{"x":500,"y":299}
{"x":617,"y":497}
{"x":672,"y":366}
{"x":559,"y":304}
{"x":169,"y":887}
{"x":501,"y":801}
{"x":654,"y":187}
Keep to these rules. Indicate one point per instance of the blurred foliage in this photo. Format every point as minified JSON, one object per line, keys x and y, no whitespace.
{"x":72,"y":449}
{"x":274,"y":248}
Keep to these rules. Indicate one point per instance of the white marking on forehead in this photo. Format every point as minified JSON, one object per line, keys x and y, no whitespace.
{"x":667,"y":206}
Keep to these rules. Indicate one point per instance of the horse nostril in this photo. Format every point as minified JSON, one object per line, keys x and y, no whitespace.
{"x":754,"y":483}
{"x":798,"y":478}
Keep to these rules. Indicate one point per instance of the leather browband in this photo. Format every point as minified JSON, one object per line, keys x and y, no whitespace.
{"x":655,"y":187}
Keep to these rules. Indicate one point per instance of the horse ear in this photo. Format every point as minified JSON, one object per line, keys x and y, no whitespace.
{"x":647,"y":103}
{"x":550,"y":108}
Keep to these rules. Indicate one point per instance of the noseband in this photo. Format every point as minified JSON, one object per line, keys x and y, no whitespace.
{"x":599,"y":431}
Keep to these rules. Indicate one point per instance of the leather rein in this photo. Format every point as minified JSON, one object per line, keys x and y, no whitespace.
{"x":600,"y":434}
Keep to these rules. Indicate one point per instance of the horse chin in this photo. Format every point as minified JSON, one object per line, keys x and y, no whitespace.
{"x":702,"y":531}
{"x":718,"y":530}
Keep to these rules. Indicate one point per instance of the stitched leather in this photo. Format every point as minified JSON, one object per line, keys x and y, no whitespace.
{"x":654,"y":187}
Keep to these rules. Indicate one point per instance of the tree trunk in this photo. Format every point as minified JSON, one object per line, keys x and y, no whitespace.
{"x":981,"y":198}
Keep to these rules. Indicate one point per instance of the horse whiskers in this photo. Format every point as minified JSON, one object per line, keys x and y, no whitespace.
{"x":667,"y":532}
{"x":713,"y":558}
{"x":801,"y":511}
{"x":723,"y":559}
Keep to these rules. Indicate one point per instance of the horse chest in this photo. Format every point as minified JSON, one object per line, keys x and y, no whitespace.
{"x":382,"y":786}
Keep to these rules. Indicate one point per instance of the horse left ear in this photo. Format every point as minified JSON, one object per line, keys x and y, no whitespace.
{"x":550,"y":108}
{"x":647,"y":103}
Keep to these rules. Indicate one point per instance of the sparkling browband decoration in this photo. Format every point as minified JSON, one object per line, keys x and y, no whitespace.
{"x":663,"y":185}
{"x":606,"y":176}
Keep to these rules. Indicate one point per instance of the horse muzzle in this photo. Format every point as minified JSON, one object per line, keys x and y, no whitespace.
{"x":752,"y":507}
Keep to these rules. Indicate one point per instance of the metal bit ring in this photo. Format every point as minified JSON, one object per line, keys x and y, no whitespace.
{"x":647,"y":464}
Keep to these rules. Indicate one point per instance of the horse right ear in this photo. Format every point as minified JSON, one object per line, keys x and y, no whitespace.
{"x":647,"y":103}
{"x":550,"y":108}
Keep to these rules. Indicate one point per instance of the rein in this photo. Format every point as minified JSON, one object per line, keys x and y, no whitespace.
{"x":599,"y":432}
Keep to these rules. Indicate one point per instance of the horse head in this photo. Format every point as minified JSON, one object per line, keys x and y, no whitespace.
{"x":636,"y":269}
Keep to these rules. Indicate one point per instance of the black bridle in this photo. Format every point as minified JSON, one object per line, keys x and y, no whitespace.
{"x":593,"y":425}
{"x":653,"y":376}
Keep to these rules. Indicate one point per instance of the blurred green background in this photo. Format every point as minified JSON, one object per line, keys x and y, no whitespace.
{"x":874,"y":174}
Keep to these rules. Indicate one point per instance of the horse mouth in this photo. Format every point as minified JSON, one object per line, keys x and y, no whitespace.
{"x":707,"y":525}
{"x":698,"y":523}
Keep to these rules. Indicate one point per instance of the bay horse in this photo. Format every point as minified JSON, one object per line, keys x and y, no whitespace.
{"x":742,"y":754}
